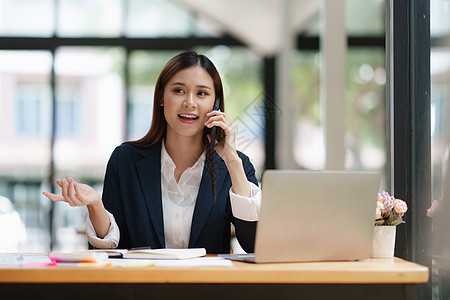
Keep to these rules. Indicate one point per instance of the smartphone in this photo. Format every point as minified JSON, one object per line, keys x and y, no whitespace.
{"x":214,"y":129}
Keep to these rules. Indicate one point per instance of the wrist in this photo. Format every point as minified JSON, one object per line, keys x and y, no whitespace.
{"x":232,"y":159}
{"x":96,"y":206}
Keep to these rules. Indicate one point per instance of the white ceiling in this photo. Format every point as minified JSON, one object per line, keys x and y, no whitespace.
{"x":258,"y":23}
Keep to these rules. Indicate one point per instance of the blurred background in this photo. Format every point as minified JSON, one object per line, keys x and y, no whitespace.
{"x":77,"y":79}
{"x":104,"y":92}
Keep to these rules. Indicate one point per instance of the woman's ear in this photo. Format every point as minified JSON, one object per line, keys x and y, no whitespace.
{"x":161,"y":101}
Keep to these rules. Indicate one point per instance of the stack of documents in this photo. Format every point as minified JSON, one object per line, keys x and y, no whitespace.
{"x":192,"y":257}
{"x":165,"y":253}
{"x":147,"y":253}
{"x":78,"y":257}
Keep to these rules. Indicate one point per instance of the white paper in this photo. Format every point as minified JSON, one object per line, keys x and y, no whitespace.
{"x":20,"y":259}
{"x":193,"y":262}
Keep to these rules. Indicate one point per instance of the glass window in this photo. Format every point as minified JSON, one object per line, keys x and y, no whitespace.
{"x":365,"y":88}
{"x":102,"y":18}
{"x":439,"y":21}
{"x":164,"y":18}
{"x":309,"y":147}
{"x":365,"y":18}
{"x":68,"y":109}
{"x":25,"y":120}
{"x":365,"y":98}
{"x":32,"y":109}
{"x":439,"y":211}
{"x":365,"y":94}
{"x":145,"y":67}
{"x":90,"y":124}
{"x":157,"y":18}
{"x":25,"y":111}
{"x":362,"y":18}
{"x":26,"y":17}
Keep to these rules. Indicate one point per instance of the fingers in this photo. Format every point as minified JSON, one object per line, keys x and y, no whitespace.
{"x":220,"y":119}
{"x":216,"y":115}
{"x":68,"y":192}
{"x":64,"y":190}
{"x":70,"y":189}
{"x":71,"y":195}
{"x":227,"y":146}
{"x":53,"y":197}
{"x":77,"y":190}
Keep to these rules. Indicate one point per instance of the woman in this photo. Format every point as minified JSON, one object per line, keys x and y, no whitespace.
{"x":167,"y":190}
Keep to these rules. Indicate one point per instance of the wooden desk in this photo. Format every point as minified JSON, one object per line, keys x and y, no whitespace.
{"x":322,"y":280}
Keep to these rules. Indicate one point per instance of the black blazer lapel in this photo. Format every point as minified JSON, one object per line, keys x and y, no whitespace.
{"x":205,"y":199}
{"x":149,"y":170}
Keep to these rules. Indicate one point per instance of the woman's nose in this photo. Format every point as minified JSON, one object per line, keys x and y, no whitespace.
{"x":190,"y":101}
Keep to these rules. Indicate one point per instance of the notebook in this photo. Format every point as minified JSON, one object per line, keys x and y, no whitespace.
{"x":314,"y":216}
{"x":165,"y":253}
{"x":148,"y":253}
{"x":77,"y":257}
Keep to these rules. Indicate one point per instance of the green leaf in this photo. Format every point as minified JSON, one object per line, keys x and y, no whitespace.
{"x":396,"y":222}
{"x":379,"y":222}
{"x":391,"y":218}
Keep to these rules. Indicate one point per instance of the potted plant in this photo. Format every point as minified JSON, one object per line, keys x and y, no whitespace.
{"x":388,"y":214}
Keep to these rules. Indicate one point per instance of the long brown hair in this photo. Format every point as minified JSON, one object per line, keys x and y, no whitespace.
{"x":158,"y":128}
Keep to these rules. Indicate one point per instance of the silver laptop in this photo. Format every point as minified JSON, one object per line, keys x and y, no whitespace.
{"x":315,"y":216}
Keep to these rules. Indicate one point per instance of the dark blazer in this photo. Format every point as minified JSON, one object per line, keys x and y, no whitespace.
{"x":132,"y":193}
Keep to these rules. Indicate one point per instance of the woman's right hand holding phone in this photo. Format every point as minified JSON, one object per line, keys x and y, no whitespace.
{"x":75,"y":194}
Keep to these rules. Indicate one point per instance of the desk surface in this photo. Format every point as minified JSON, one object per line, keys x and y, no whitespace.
{"x":371,"y":271}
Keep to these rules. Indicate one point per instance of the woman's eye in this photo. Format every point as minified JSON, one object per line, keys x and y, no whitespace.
{"x":202,"y":93}
{"x":178,"y":90}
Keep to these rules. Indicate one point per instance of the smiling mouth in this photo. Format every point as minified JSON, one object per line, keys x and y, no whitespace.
{"x":187,"y":117}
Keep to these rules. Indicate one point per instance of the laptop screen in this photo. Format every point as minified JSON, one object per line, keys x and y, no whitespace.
{"x":316,"y":216}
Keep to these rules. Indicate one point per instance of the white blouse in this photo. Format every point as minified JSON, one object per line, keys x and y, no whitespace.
{"x":178,"y":202}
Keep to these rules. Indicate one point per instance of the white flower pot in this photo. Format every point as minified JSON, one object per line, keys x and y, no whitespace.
{"x":383,"y":241}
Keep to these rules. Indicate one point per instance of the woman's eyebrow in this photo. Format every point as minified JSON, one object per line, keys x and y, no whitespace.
{"x":204,"y":87}
{"x":199,"y":86}
{"x":178,"y":83}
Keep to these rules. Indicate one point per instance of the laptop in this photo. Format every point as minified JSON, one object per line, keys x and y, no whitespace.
{"x":314,"y":216}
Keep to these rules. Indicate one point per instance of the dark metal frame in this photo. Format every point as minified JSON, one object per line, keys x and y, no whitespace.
{"x":269,"y":106}
{"x":49,"y":43}
{"x":411,"y":141}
